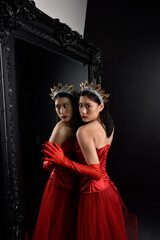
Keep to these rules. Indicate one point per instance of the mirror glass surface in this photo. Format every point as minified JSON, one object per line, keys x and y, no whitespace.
{"x":37,"y":70}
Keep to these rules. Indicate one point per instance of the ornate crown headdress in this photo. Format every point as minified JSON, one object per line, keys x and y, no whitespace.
{"x":61,"y":89}
{"x":96,"y":89}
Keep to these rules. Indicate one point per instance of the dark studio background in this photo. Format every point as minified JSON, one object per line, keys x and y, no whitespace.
{"x":129,"y":38}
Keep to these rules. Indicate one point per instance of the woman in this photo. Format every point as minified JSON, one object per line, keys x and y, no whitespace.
{"x":101,"y":213}
{"x":58,"y":208}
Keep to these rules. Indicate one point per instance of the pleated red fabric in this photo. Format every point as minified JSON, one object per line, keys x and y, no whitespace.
{"x":58,"y":210}
{"x":102,"y":215}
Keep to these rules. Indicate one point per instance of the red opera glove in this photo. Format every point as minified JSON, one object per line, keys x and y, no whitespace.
{"x":48,"y":166}
{"x":54,"y":153}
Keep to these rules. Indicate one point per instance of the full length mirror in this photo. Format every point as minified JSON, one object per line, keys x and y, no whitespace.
{"x":37,"y":52}
{"x":36,"y":114}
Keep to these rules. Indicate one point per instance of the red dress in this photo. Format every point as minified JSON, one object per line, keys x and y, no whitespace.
{"x":102,"y":214}
{"x":58,"y":210}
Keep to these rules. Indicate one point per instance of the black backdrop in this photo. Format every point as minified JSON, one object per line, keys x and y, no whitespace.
{"x":129,"y":37}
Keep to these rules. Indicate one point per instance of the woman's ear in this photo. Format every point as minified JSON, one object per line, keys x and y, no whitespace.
{"x":101,"y":106}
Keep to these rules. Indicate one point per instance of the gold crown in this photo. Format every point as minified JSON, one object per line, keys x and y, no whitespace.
{"x":96,"y":89}
{"x":61,"y":89}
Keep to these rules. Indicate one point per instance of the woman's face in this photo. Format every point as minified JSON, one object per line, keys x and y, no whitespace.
{"x":64,"y":108}
{"x":89,"y":110}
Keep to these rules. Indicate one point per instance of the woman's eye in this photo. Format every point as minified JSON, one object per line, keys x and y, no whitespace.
{"x":65,"y":105}
{"x":80,"y":105}
{"x":87,"y":106}
{"x":58,"y":107}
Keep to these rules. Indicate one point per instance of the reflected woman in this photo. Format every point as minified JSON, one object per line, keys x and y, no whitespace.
{"x":101,"y":213}
{"x":58,"y":210}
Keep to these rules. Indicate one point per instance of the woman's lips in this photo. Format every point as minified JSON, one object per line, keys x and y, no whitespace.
{"x":84,"y":117}
{"x":63,"y":117}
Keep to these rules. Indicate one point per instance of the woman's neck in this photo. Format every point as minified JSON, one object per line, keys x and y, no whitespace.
{"x":69,"y":124}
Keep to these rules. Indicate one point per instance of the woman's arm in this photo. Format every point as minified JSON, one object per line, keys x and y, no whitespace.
{"x":59,"y":135}
{"x":55,"y":154}
{"x":86,"y":142}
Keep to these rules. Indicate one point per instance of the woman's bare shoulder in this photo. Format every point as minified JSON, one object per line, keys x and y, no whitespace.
{"x":59,"y":128}
{"x":59,"y":134}
{"x":59,"y":125}
{"x":88,"y":128}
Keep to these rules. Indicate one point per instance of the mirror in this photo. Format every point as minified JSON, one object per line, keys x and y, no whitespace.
{"x":36,"y":52}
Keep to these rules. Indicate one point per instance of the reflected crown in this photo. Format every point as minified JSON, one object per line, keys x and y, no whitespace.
{"x":62,"y":89}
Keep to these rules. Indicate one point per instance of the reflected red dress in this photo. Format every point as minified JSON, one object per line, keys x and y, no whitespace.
{"x":102,"y":214}
{"x":59,"y":206}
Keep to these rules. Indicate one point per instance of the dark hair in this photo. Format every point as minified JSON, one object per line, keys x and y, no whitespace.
{"x":105,"y":117}
{"x":74,"y":100}
{"x":67,"y":95}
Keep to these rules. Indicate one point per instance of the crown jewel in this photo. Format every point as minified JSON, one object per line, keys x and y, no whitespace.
{"x":96,"y":89}
{"x":61,"y":89}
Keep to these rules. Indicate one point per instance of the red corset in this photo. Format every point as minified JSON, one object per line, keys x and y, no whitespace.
{"x":62,"y":177}
{"x":88,"y":185}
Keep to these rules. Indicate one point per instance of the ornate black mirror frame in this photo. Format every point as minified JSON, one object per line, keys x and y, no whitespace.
{"x":21,"y":18}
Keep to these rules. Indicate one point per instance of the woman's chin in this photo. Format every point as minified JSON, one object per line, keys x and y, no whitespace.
{"x":66,"y":120}
{"x":85,"y":120}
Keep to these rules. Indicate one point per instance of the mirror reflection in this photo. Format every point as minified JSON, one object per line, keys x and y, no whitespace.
{"x":37,"y":70}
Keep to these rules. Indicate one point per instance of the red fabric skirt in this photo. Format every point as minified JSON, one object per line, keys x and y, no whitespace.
{"x":103,"y":216}
{"x":57,"y":215}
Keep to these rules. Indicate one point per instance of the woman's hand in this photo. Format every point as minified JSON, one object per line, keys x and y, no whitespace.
{"x":48,"y":166}
{"x":53,"y":153}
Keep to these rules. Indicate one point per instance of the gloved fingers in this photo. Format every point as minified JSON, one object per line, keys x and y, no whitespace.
{"x":56,"y":146}
{"x":48,"y":147}
{"x":47,"y":159}
{"x":53,"y":146}
{"x":49,"y":144}
{"x":48,"y":153}
{"x":44,"y":153}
